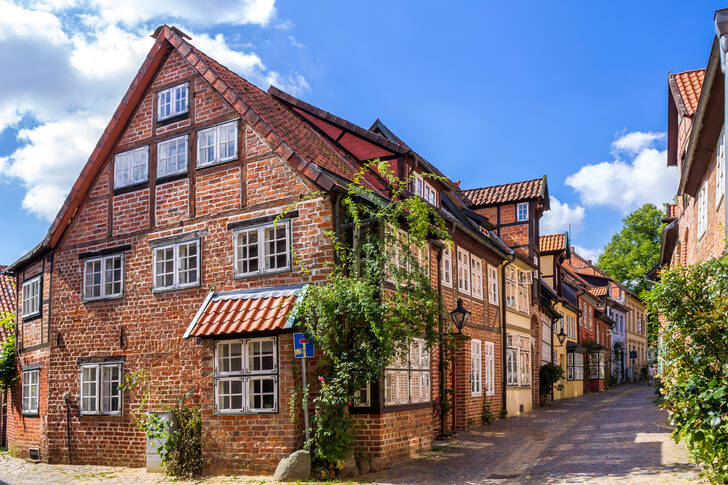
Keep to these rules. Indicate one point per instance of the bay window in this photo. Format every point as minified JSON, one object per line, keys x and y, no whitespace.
{"x":246,"y":379}
{"x":518,"y":360}
{"x":574,"y":366}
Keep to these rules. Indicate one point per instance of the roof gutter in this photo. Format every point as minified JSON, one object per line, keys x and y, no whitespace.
{"x":720,"y":20}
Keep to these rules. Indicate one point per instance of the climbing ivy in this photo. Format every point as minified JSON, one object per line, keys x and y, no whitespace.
{"x":693,"y":302}
{"x":358,"y":322}
{"x":8,"y":369}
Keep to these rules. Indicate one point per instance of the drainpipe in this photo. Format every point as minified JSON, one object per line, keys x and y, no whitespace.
{"x":504,"y":344}
{"x":720,"y":20}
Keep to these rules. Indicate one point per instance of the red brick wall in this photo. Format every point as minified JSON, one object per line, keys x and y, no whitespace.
{"x":172,"y":202}
{"x":131,"y":212}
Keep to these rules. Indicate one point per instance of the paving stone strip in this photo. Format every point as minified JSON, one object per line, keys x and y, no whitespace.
{"x":615,"y":437}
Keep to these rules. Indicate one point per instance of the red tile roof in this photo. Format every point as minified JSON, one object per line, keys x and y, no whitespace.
{"x":498,"y":194}
{"x":598,"y":291}
{"x":689,"y":85}
{"x":7,"y":292}
{"x":245,"y":311}
{"x":552,"y":242}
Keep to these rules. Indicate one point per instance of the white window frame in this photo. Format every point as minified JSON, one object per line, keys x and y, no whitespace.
{"x":424,"y":190}
{"x":366,"y":401}
{"x":492,"y":285}
{"x":476,"y":367}
{"x":574,"y":366}
{"x":464,"y":275}
{"x":176,"y":93}
{"x":175,"y":268}
{"x":216,"y":144}
{"x":447,"y":267}
{"x":103,"y":294}
{"x":703,"y":209}
{"x":99,"y":395}
{"x":476,"y":279}
{"x":720,"y":168}
{"x":32,"y":293}
{"x":489,"y":371}
{"x":522,"y":212}
{"x":260,"y":230}
{"x":246,"y":376}
{"x":512,"y":366}
{"x":162,"y":162}
{"x":30,"y":399}
{"x":413,"y":367}
{"x":524,"y":291}
{"x":127,"y":158}
{"x":511,"y":287}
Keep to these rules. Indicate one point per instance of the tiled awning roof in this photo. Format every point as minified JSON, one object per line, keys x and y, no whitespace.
{"x":242,"y":311}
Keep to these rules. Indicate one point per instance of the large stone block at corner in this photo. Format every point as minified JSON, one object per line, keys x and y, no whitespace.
{"x":296,"y":466}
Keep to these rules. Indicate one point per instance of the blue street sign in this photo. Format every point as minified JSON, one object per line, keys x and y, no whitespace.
{"x":302,"y":346}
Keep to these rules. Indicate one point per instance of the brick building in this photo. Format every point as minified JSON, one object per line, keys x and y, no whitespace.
{"x":165,"y":258}
{"x":7,"y":307}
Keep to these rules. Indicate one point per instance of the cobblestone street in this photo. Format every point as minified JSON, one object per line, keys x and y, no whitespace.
{"x":618,"y":436}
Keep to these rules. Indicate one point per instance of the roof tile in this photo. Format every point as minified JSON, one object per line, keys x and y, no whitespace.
{"x":498,"y":194}
{"x":552,"y":242}
{"x":7,"y":293}
{"x":689,"y":85}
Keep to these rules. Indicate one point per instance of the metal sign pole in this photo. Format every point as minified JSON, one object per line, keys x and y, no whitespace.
{"x":305,"y":399}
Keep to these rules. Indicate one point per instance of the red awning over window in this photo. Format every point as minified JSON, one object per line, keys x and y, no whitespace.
{"x":245,"y":311}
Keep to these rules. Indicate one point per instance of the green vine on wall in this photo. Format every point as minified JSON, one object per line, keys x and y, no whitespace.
{"x":8,"y":367}
{"x":376,"y":300}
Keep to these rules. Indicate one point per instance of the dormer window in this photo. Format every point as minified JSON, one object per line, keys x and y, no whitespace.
{"x":424,"y":190}
{"x":172,"y":102}
{"x":522,"y":212}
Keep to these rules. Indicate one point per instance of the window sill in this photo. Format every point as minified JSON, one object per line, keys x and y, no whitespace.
{"x":243,"y":413}
{"x":131,"y":188}
{"x":101,"y":415}
{"x":264,"y":273}
{"x":176,"y":288}
{"x":173,"y":119}
{"x":105,"y":298}
{"x":171,"y":178}
{"x":215,"y":164}
{"x":33,"y":316}
{"x":30,"y":414}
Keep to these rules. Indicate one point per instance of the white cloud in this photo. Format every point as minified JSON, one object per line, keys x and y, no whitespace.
{"x":295,"y":43}
{"x":636,"y":141}
{"x":72,"y":61}
{"x":561,"y":217}
{"x":627,"y":184}
{"x":588,"y":254}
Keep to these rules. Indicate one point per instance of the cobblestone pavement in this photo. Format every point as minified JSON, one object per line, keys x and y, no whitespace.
{"x":618,"y":436}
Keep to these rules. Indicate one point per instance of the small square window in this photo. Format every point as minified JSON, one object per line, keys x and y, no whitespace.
{"x":522,"y":211}
{"x":245,"y":379}
{"x":131,"y":167}
{"x":172,"y":102}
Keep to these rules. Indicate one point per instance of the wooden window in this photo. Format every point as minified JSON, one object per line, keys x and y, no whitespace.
{"x":703,"y":209}
{"x":172,"y":102}
{"x":131,"y":167}
{"x":246,"y":376}
{"x":476,"y":367}
{"x":177,"y":265}
{"x":463,"y":271}
{"x":103,"y":277}
{"x":217,"y":144}
{"x":100,"y":393}
{"x":522,"y":212}
{"x":31,"y":297}
{"x":492,"y":285}
{"x":172,"y":156}
{"x":476,"y":280}
{"x":363,"y":397}
{"x":31,"y":386}
{"x":447,"y":267}
{"x":489,"y":348}
{"x":407,"y":379}
{"x":263,"y":249}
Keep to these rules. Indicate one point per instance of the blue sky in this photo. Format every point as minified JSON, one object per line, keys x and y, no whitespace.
{"x":492,"y":92}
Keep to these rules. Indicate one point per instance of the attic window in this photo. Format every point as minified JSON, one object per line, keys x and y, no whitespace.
{"x":172,"y":102}
{"x":217,"y":144}
{"x":424,"y":190}
{"x":131,"y":167}
{"x":522,"y":212}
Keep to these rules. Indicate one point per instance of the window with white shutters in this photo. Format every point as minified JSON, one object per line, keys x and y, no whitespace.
{"x":463,"y":271}
{"x":476,"y":367}
{"x":492,"y":285}
{"x":407,"y":379}
{"x":489,"y":352}
{"x":476,"y":272}
{"x":446,"y":265}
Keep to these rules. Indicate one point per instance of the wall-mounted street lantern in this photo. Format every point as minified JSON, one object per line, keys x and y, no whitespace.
{"x":460,"y":315}
{"x":561,"y":336}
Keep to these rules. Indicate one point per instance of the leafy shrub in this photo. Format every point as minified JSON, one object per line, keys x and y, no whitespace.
{"x":548,"y":376}
{"x":183,"y":456}
{"x":8,"y":369}
{"x":693,"y":304}
{"x":487,"y":414}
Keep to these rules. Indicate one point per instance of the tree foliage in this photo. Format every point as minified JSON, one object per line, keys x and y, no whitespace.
{"x":8,"y":369}
{"x":635,"y":249}
{"x":377,"y":299}
{"x":694,"y":359}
